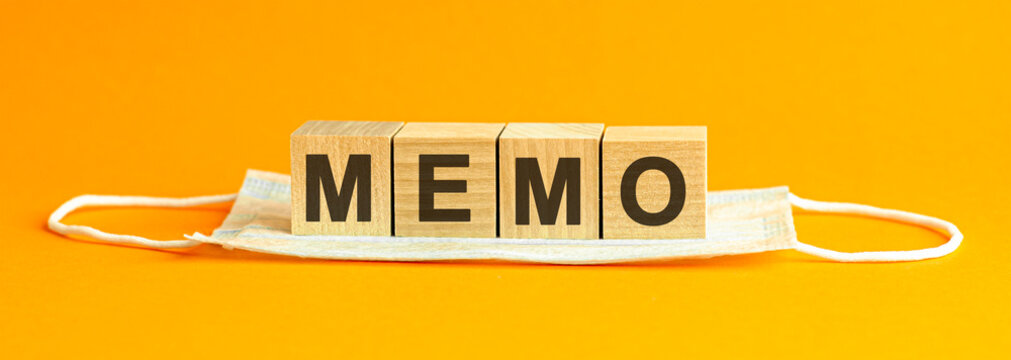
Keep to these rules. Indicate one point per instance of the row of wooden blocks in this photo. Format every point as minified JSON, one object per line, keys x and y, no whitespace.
{"x":521,"y":180}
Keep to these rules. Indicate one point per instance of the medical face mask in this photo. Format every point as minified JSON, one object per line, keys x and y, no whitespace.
{"x":740,"y":222}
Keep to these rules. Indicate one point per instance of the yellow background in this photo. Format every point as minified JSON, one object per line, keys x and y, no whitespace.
{"x":896,"y":104}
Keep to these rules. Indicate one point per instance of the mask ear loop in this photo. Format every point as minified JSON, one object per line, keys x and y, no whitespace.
{"x":874,"y":212}
{"x":811,"y":205}
{"x":124,"y":201}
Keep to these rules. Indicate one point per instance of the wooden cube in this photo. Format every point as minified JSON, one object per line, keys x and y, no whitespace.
{"x":549,"y":181}
{"x":654,"y":182}
{"x":444,"y":180}
{"x":340,"y":178}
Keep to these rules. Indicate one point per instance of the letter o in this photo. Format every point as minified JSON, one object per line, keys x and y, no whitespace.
{"x":677,"y":191}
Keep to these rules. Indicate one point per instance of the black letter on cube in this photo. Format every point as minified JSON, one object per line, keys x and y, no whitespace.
{"x":677,"y":191}
{"x":428,"y":186}
{"x":358,"y":171}
{"x":528,"y":176}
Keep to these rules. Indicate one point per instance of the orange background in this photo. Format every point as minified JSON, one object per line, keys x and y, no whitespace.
{"x":901,"y":105}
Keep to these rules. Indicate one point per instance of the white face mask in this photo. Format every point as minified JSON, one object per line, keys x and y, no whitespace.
{"x":740,"y":222}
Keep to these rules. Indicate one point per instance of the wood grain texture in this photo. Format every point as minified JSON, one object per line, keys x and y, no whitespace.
{"x":685,"y":146}
{"x":338,"y":140}
{"x":478,"y":142}
{"x":548,"y":143}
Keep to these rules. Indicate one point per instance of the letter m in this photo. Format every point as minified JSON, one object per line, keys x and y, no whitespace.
{"x":529,"y":180}
{"x":318,"y":173}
